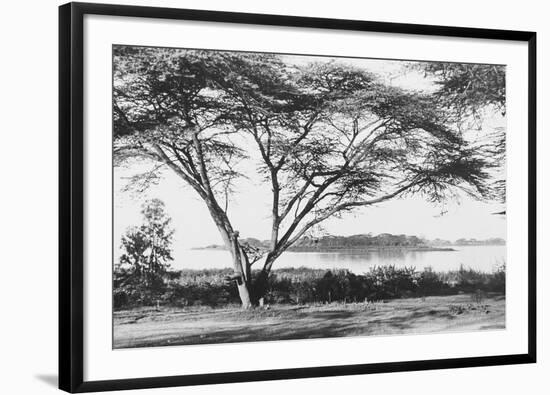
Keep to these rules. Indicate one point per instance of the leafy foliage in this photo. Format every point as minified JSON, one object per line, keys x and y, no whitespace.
{"x":143,"y":267}
{"x":470,"y":87}
{"x":306,"y":286}
{"x":470,"y":91}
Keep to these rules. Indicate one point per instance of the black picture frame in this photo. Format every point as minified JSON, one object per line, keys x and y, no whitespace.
{"x":71,"y":195}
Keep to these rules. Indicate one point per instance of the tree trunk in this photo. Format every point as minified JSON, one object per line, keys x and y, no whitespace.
{"x":241,"y":271}
{"x":260,"y":285}
{"x":261,"y":281}
{"x":244,"y":294}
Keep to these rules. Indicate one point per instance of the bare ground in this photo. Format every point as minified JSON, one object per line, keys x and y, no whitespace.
{"x":149,"y":327}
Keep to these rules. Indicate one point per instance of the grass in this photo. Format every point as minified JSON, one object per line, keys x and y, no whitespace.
{"x":168,"y":326}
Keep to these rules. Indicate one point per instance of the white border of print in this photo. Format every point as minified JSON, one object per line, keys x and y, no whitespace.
{"x":102,"y":362}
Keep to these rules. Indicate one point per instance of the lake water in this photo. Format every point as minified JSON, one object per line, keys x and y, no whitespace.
{"x":482,"y":258}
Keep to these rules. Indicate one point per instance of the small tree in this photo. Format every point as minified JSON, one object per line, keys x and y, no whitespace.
{"x":144,"y":262}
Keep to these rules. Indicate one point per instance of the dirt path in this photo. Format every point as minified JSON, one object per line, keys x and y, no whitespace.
{"x":149,"y":327}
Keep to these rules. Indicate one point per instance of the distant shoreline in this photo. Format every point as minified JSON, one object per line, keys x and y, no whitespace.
{"x":369,"y":249}
{"x":344,"y":249}
{"x":366,"y":243}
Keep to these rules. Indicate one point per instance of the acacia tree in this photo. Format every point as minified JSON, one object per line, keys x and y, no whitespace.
{"x":330,"y":139}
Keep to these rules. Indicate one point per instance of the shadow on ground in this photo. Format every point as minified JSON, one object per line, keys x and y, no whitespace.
{"x":436,"y":314}
{"x":50,"y":379}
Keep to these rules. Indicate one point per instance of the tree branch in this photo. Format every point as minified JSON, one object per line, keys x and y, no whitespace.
{"x":346,"y":206}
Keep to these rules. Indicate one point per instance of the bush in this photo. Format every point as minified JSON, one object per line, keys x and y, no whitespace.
{"x":497,"y":282}
{"x":389,"y":282}
{"x":430,"y":283}
{"x":131,"y":289}
{"x":304,"y":285}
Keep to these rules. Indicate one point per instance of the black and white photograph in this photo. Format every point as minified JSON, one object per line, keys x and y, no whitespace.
{"x":263,"y":196}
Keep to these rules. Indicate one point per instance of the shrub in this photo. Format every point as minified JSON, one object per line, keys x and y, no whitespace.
{"x":497,"y":282}
{"x":430,"y":283}
{"x":302,"y":285}
{"x":389,"y":282}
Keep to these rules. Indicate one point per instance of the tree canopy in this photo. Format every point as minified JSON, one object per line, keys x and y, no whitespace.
{"x":471,"y":91}
{"x":469,"y":87}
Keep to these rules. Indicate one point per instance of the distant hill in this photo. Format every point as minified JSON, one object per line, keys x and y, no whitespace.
{"x":368,"y":241}
{"x":361,"y":241}
{"x":475,"y":242}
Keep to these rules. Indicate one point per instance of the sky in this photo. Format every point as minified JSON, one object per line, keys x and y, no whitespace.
{"x":250,"y":208}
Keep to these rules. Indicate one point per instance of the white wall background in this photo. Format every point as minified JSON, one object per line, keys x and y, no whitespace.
{"x":28,"y":194}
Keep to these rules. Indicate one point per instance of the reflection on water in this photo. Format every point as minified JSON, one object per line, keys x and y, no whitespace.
{"x":482,"y":258}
